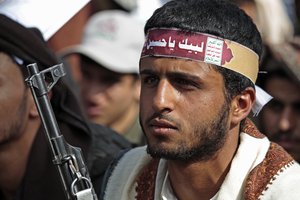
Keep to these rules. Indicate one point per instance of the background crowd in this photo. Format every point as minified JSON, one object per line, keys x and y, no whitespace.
{"x":278,"y":22}
{"x":100,"y":46}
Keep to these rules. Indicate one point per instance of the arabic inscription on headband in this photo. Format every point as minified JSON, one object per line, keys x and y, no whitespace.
{"x":171,"y":44}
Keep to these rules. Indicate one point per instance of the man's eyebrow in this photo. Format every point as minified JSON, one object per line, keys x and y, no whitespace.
{"x":183,"y":75}
{"x":147,"y":71}
{"x":296,"y":104}
{"x":173,"y":74}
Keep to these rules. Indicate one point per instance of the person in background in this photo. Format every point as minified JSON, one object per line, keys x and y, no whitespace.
{"x":274,"y":28}
{"x":198,"y":68}
{"x":251,"y":8}
{"x":26,"y":168}
{"x":280,"y":118}
{"x":110,"y":85}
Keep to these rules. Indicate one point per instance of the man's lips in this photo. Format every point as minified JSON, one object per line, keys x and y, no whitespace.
{"x":288,"y":143}
{"x":93,"y":110}
{"x":162,"y":127}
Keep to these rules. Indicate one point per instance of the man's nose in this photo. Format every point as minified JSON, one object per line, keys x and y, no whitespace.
{"x":165,"y":97}
{"x":287,"y":120}
{"x":94,"y":87}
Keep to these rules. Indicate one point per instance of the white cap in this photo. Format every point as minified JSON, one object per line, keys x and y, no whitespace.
{"x":112,"y":38}
{"x":47,"y":16}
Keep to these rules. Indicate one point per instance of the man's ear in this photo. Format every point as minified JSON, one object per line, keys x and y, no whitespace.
{"x":137,"y":89}
{"x":241,"y":105}
{"x":33,"y":112}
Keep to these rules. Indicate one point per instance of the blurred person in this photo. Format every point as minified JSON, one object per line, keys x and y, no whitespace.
{"x":250,"y":8}
{"x":144,"y":9}
{"x":71,"y":33}
{"x":198,"y":69}
{"x":26,"y":168}
{"x":275,"y":25}
{"x":271,"y":19}
{"x":290,"y":7}
{"x":297,"y":12}
{"x":110,"y":85}
{"x":280,"y":118}
{"x":125,"y":5}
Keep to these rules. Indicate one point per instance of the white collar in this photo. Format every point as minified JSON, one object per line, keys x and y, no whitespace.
{"x":167,"y":191}
{"x":250,"y":153}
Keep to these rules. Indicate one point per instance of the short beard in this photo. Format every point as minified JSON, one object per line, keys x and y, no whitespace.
{"x":15,"y":129}
{"x":209,"y":138}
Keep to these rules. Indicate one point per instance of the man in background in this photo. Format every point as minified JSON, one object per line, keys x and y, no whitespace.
{"x":110,"y":85}
{"x":280,"y":118}
{"x":198,"y":68}
{"x":26,"y":168}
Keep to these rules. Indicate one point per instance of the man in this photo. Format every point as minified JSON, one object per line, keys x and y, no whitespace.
{"x":250,"y":8}
{"x":110,"y":86}
{"x":274,"y":28}
{"x":198,"y":68}
{"x":26,"y":167}
{"x":280,"y":118}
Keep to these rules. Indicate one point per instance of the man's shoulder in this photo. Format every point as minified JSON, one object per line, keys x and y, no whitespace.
{"x":132,"y":157}
{"x":278,"y":173}
{"x":124,"y":170}
{"x":285,"y":184}
{"x":106,"y":135}
{"x":106,"y":144}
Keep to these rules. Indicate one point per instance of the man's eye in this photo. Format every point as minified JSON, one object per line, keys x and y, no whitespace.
{"x":110,"y":79}
{"x":184,"y":83}
{"x":296,"y":108}
{"x":275,"y":105}
{"x":149,"y":80}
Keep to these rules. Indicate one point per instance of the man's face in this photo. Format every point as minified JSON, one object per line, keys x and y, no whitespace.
{"x":281,"y":116}
{"x":183,"y":111}
{"x":13,"y":100}
{"x":107,"y":96}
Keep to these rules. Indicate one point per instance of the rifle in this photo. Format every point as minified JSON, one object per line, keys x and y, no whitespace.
{"x":68,"y":159}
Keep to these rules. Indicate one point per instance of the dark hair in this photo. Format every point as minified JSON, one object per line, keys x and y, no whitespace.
{"x":86,"y":59}
{"x":217,"y":17}
{"x":242,"y":2}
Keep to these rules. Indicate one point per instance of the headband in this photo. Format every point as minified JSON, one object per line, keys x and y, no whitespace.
{"x":171,"y":42}
{"x":202,"y":47}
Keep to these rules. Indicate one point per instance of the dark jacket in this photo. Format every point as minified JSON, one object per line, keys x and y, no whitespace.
{"x":99,"y":144}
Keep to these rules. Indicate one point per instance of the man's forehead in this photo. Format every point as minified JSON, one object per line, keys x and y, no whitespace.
{"x":177,"y":67}
{"x":283,"y":89}
{"x":175,"y":64}
{"x":6,"y":59}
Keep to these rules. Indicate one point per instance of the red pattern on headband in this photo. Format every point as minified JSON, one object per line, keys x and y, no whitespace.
{"x":191,"y":45}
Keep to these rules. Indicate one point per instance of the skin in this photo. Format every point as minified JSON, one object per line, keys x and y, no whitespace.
{"x":180,"y":99}
{"x":281,"y":117}
{"x":251,"y":10}
{"x":18,"y":126}
{"x":109,"y":98}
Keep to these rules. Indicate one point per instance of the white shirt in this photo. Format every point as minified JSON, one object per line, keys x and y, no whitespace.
{"x":167,"y":191}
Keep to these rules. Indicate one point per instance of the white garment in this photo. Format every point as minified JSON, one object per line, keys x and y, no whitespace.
{"x":274,"y":22}
{"x":251,"y":152}
{"x":167,"y":191}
